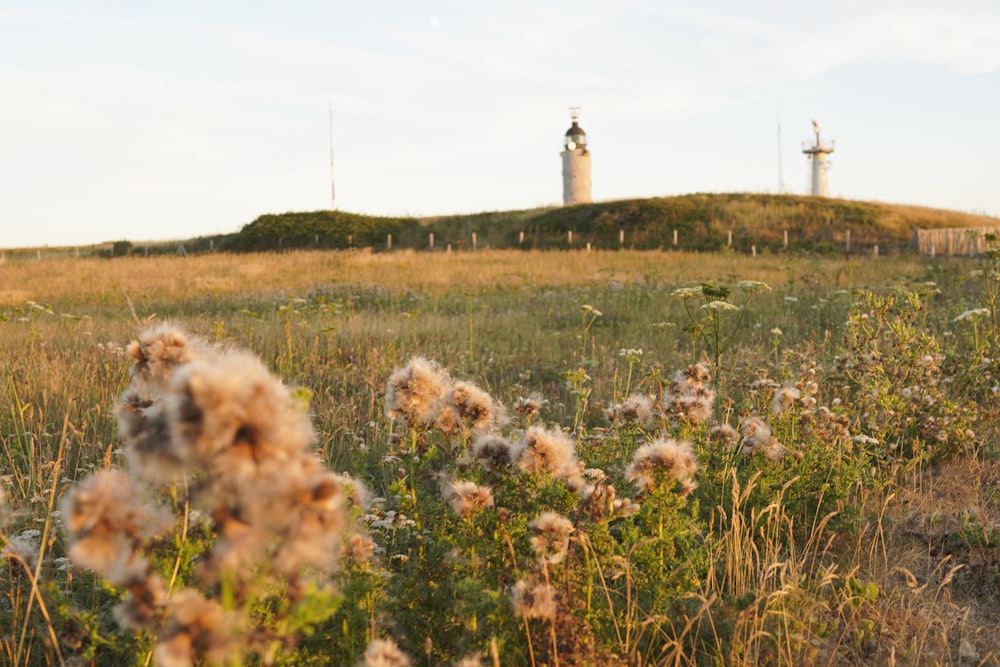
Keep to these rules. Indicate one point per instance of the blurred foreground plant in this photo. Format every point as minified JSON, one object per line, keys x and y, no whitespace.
{"x":226,"y":530}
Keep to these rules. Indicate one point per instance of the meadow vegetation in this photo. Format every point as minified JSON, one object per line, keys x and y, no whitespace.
{"x":500,"y":458}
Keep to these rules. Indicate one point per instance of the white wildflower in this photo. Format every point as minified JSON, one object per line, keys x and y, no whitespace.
{"x":687,"y":292}
{"x":720,"y":306}
{"x":972,"y":314}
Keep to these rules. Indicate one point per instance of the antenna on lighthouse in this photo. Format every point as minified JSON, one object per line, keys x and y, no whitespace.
{"x":333,"y":189}
{"x":816,"y":154}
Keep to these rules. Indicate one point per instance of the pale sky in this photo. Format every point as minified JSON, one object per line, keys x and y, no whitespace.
{"x":172,"y":119}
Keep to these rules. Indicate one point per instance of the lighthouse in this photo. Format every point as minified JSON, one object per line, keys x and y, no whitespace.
{"x":817,"y":153}
{"x":575,"y":163}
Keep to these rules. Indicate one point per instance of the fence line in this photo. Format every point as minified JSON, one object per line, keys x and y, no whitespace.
{"x":965,"y":241}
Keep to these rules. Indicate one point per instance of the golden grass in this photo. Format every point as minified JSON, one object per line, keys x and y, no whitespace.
{"x":169,"y":278}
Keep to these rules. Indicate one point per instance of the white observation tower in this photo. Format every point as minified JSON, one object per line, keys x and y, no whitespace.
{"x":575,"y":164}
{"x":817,"y":153}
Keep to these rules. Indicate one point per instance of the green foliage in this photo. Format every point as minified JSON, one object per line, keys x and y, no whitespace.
{"x":320,"y":229}
{"x":895,"y":366}
{"x":121,"y":248}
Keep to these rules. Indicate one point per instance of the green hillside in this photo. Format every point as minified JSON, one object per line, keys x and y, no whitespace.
{"x":702,"y":222}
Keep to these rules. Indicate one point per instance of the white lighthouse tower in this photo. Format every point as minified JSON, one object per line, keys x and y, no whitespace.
{"x":575,"y":164}
{"x":817,"y":153}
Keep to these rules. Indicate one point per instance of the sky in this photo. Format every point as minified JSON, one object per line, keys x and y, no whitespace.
{"x":123,"y":120}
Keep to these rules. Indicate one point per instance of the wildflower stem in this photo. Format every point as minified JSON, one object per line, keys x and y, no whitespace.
{"x":413,"y":476}
{"x":589,"y":549}
{"x":552,"y":621}
{"x":472,"y":323}
{"x":183,"y":538}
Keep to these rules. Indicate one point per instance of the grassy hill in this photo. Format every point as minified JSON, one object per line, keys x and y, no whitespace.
{"x":702,"y":222}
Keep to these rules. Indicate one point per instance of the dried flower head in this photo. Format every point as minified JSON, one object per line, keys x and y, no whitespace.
{"x":637,"y":408}
{"x":468,"y":498}
{"x":315,"y":517}
{"x":232,"y":416}
{"x":538,"y":601}
{"x":551,"y":541}
{"x":107,"y":521}
{"x":198,"y":629}
{"x":469,"y":407}
{"x":143,"y":604}
{"x":413,"y":393}
{"x":494,"y":451}
{"x":664,"y":457}
{"x":785,"y":399}
{"x":384,"y":653}
{"x":157,"y":353}
{"x":144,"y":427}
{"x":723,"y":433}
{"x":695,"y":375}
{"x":690,"y":396}
{"x":359,"y":548}
{"x":530,"y":406}
{"x":756,"y":435}
{"x":545,"y":451}
{"x":23,"y":547}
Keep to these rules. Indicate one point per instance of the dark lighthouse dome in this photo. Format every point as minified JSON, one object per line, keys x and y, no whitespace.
{"x":575,"y":136}
{"x":575,"y":130}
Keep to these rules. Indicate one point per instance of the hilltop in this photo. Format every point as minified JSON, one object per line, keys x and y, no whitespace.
{"x":701,"y":222}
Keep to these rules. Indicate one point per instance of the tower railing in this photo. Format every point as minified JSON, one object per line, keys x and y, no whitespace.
{"x":818,"y":146}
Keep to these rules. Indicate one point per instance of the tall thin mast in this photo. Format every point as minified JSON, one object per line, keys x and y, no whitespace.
{"x":781,"y":175}
{"x":333,"y":189}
